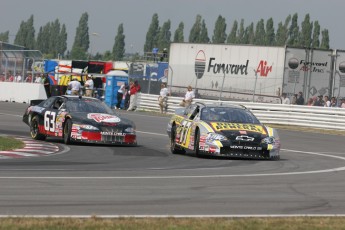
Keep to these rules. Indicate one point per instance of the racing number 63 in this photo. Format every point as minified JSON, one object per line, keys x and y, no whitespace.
{"x":49,"y":121}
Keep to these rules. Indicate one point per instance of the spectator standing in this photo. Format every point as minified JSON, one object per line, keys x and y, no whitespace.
{"x":127,"y":96}
{"x":319,"y":101}
{"x":334,"y":102}
{"x":18,"y":78}
{"x":134,"y":90}
{"x":294,"y":99}
{"x":285,"y":99}
{"x":188,"y":97}
{"x":75,"y":86}
{"x":98,"y":87}
{"x":38,"y":79}
{"x":46,"y":84}
{"x":163,"y":97}
{"x":327,"y":102}
{"x":300,"y":99}
{"x":310,"y":102}
{"x":342,"y":103}
{"x":89,"y":86}
{"x":119,"y":96}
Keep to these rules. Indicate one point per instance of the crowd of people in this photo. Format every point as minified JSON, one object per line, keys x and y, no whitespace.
{"x":321,"y":100}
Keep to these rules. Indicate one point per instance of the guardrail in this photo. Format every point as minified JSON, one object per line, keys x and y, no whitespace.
{"x":296,"y":115}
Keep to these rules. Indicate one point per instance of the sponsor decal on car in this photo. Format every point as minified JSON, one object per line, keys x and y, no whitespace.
{"x":218,"y":126}
{"x":101,"y":117}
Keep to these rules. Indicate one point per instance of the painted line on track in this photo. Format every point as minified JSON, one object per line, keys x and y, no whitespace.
{"x":202,"y":176}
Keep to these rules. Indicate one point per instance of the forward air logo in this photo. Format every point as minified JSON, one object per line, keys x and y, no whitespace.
{"x":200,"y":64}
{"x":263,"y":69}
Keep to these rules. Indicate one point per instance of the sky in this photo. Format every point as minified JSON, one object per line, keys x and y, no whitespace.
{"x":136,"y":15}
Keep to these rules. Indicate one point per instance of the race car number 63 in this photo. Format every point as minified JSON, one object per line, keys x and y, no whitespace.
{"x":49,"y":121}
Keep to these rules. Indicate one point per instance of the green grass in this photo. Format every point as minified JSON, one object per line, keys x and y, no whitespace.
{"x":94,"y":223}
{"x":10,"y":143}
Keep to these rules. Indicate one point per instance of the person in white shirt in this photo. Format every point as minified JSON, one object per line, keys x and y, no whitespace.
{"x":327,"y":101}
{"x":19,"y":78}
{"x":89,"y":86}
{"x":188,"y":98}
{"x":75,"y":86}
{"x":162,"y":99}
{"x":38,"y":79}
{"x":285,"y":100}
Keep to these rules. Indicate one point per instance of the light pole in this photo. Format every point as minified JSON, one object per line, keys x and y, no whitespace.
{"x":96,"y":35}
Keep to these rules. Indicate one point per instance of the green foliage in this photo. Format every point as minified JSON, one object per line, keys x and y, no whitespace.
{"x":178,"y":35}
{"x":240,"y":33}
{"x":195,"y":32}
{"x":4,"y":37}
{"x":119,"y":46}
{"x":306,"y":32}
{"x":204,"y":34}
{"x":26,"y":34}
{"x":219,"y":32}
{"x":294,"y":31}
{"x":316,"y":35}
{"x":283,"y":32}
{"x":81,"y":41}
{"x":152,"y":34}
{"x":232,"y":38}
{"x":325,"y":39}
{"x":249,"y":35}
{"x":164,"y":36}
{"x":260,"y":33}
{"x":270,"y":34}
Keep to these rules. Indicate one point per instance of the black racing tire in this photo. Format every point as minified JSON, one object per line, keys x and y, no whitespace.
{"x":173,"y":147}
{"x":67,"y":132}
{"x":196,"y":143}
{"x":34,"y":130}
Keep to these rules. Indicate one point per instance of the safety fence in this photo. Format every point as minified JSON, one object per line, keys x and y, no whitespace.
{"x":296,"y":115}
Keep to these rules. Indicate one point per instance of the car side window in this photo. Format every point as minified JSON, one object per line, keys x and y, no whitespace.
{"x":48,"y":103}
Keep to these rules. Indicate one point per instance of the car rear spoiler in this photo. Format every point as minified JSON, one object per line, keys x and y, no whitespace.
{"x":35,"y":102}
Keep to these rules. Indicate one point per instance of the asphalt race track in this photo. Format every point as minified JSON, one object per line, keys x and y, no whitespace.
{"x":149,"y":180}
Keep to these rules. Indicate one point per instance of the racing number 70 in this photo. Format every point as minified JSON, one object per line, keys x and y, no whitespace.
{"x":49,"y":121}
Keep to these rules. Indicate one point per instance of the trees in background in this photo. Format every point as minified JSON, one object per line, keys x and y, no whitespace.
{"x":51,"y":38}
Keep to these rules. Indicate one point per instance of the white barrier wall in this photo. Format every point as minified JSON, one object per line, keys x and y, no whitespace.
{"x":21,"y":92}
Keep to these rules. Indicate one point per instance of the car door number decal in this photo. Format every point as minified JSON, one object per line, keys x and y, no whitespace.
{"x":49,"y":121}
{"x":185,"y":127}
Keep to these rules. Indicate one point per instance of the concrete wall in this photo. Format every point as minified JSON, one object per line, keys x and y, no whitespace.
{"x":21,"y":92}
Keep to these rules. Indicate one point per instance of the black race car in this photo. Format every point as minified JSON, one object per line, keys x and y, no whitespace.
{"x":222,"y":130}
{"x":78,"y":119}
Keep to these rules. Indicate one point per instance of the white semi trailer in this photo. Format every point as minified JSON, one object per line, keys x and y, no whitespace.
{"x":240,"y":72}
{"x":247,"y":72}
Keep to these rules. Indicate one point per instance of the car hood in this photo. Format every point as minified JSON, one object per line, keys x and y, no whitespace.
{"x":238,"y":131}
{"x":100,"y":119}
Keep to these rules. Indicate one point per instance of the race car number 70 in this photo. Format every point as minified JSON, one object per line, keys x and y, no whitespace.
{"x":49,"y":121}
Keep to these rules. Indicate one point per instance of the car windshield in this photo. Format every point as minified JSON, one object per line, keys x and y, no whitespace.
{"x":86,"y":105}
{"x":231,"y":115}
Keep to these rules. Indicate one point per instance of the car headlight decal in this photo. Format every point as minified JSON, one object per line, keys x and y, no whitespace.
{"x":268,"y":140}
{"x":216,"y":137}
{"x":129,"y":130}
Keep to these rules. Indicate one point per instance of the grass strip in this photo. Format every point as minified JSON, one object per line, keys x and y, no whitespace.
{"x":94,"y":223}
{"x":10,"y":143}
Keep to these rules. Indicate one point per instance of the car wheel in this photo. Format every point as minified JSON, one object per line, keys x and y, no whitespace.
{"x":67,"y":132}
{"x":196,"y":143}
{"x":173,"y":147}
{"x":34,"y":130}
